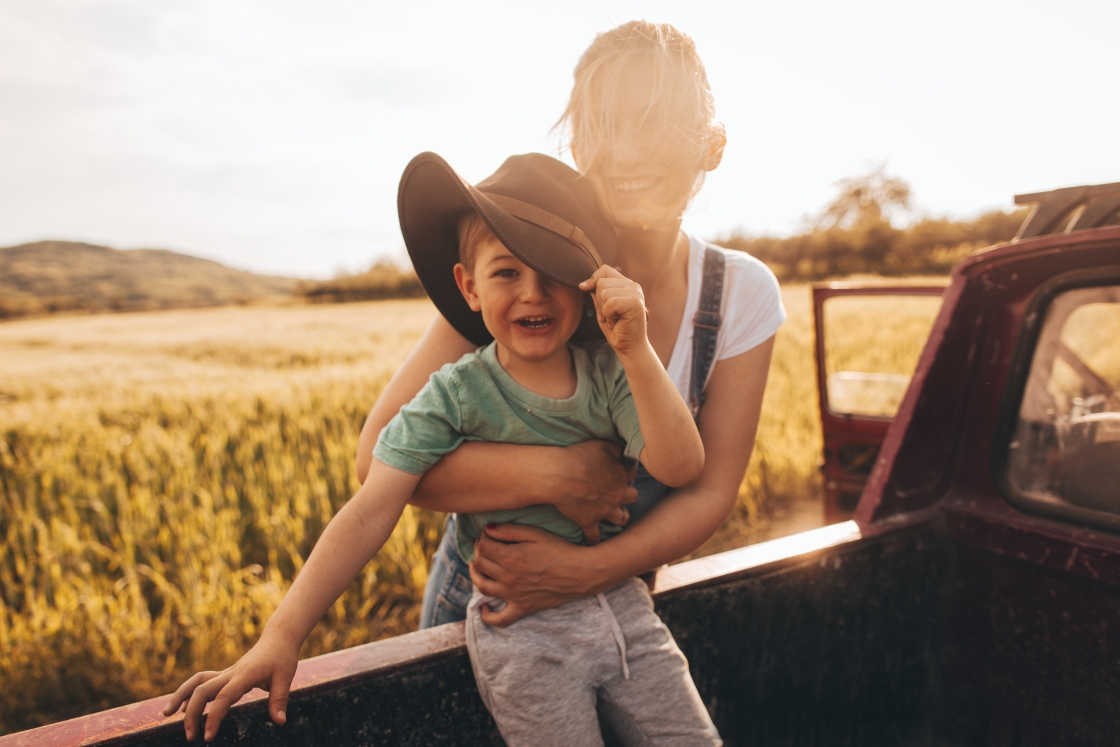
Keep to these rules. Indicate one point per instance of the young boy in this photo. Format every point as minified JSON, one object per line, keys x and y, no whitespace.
{"x":518,"y":249}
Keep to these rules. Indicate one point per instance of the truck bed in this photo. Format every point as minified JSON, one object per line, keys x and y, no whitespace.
{"x":916,"y":635}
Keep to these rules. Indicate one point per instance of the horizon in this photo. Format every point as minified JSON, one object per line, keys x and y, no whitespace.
{"x":269,"y":137}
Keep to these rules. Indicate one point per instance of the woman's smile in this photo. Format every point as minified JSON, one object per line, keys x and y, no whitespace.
{"x":633,"y":185}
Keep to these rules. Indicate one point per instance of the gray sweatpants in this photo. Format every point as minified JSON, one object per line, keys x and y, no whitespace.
{"x":548,"y":677}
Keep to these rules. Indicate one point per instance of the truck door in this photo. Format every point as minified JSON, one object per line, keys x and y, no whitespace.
{"x":868,"y":340}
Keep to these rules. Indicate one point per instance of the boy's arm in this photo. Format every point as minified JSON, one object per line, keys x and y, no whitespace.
{"x":350,"y":540}
{"x":673,"y":453}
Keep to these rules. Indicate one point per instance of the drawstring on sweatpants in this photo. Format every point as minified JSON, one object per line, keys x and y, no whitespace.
{"x":618,"y":637}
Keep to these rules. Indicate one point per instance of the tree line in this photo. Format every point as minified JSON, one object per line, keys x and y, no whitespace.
{"x":854,"y":234}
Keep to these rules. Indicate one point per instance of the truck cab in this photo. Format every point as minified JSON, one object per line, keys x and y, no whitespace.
{"x":972,"y":597}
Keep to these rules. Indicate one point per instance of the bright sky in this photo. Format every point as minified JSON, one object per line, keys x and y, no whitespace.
{"x":270,"y":134}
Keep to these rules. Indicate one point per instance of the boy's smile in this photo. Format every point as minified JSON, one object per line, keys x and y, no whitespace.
{"x":530,"y":316}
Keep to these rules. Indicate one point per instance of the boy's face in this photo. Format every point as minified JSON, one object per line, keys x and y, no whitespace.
{"x":528,"y":314}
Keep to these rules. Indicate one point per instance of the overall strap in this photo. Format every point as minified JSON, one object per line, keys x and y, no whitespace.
{"x":706,"y":323}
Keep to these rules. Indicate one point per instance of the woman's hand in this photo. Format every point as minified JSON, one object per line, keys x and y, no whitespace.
{"x":269,"y":665}
{"x":532,"y":570}
{"x":595,"y":486}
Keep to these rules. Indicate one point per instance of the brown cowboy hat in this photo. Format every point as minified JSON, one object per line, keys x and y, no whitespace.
{"x":544,"y":212}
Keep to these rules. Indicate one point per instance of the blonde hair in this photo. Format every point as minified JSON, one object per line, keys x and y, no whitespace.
{"x":684,"y":97}
{"x":473,"y":231}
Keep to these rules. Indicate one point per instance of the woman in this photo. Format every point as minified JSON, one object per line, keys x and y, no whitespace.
{"x":642,"y":131}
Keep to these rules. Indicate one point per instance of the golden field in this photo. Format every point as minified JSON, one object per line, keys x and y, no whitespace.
{"x":165,"y":474}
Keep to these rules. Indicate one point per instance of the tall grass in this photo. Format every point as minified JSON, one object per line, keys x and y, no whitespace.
{"x":154,"y":540}
{"x":163,"y":476}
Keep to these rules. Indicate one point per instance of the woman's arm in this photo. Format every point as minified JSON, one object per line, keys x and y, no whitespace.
{"x":587,"y":482}
{"x":542,"y":571}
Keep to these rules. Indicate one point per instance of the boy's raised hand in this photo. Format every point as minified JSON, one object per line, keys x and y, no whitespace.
{"x":270,"y":665}
{"x":621,"y":308}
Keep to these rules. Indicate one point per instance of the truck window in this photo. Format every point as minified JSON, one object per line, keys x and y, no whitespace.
{"x":1065,"y":451}
{"x":872,"y":345}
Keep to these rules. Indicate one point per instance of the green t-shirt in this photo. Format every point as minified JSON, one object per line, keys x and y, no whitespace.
{"x":474,"y":399}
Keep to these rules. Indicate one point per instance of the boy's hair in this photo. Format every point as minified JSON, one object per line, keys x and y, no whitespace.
{"x":684,"y":97}
{"x":472,"y":232}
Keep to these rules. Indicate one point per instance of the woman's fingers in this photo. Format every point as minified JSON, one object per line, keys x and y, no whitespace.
{"x":620,"y":517}
{"x":485,"y":583}
{"x":596,"y":482}
{"x":510,"y":533}
{"x":484,"y":565}
{"x":508,"y":614}
{"x":536,"y":573}
{"x":591,"y":532}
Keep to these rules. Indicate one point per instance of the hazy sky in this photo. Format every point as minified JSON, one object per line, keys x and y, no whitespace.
{"x":270,"y":135}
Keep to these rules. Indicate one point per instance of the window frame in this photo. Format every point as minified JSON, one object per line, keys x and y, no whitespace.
{"x":1030,"y":330}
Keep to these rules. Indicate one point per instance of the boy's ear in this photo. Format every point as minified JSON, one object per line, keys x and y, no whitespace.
{"x":464,"y":278}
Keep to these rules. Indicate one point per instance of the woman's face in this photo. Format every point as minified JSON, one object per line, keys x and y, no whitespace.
{"x":646,"y":165}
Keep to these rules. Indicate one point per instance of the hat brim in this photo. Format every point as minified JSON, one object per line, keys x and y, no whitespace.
{"x":429,"y":202}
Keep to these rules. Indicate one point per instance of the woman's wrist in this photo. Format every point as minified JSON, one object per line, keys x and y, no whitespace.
{"x":602,"y":567}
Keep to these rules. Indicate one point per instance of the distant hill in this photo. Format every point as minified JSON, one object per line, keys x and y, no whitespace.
{"x":49,"y":276}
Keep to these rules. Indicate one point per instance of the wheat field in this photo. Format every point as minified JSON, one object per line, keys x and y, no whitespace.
{"x":165,"y":474}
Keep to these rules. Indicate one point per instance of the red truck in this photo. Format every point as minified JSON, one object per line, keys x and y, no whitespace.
{"x":973,"y":597}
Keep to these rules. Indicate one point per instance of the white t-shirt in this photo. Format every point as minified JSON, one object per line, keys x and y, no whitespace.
{"x":752,"y":310}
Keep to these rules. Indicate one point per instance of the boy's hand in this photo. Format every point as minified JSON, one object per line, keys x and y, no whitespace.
{"x":270,"y":665}
{"x":621,"y":309}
